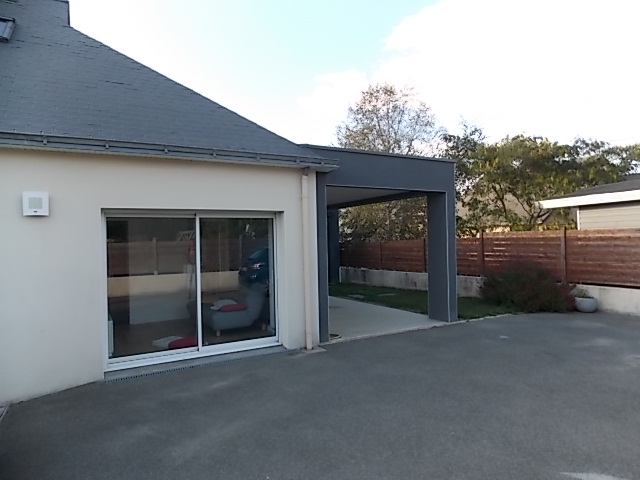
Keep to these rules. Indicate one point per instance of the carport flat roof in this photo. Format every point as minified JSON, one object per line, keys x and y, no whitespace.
{"x":369,"y":177}
{"x":374,"y":153}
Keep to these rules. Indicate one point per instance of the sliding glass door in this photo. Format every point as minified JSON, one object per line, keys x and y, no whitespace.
{"x":236,"y":278}
{"x":188,"y":284}
{"x":151,"y":279}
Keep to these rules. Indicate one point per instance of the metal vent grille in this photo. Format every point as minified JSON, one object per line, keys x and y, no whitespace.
{"x":6,"y":28}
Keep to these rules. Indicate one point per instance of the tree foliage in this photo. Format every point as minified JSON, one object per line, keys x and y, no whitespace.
{"x":461,"y":148}
{"x":386,"y":119}
{"x":500,"y":184}
{"x":391,"y":120}
{"x":395,"y":220}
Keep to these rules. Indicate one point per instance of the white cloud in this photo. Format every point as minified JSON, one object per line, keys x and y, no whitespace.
{"x":326,"y":105}
{"x":557,"y":68}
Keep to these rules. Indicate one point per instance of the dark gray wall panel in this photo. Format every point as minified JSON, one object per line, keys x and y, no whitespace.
{"x":333,"y":230}
{"x":323,"y":257}
{"x":375,"y":170}
{"x":441,"y":234}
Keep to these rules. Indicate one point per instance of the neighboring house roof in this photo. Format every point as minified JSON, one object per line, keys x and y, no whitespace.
{"x":627,"y":190}
{"x":62,"y":89}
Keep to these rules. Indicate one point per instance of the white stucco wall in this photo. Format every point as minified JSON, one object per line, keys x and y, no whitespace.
{"x":615,"y":299}
{"x":53,"y":302}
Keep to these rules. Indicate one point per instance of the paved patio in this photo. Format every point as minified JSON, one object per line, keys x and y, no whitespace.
{"x":541,"y":396}
{"x":350,"y":319}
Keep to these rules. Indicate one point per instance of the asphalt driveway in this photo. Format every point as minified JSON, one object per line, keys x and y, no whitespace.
{"x":540,"y":396}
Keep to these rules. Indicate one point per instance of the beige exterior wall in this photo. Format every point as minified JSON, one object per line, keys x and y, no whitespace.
{"x":53,"y":293}
{"x":620,"y":215}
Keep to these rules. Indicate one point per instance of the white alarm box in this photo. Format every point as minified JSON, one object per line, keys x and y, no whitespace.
{"x":35,"y":204}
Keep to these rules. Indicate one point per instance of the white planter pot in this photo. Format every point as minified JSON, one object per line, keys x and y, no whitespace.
{"x":586,"y":304}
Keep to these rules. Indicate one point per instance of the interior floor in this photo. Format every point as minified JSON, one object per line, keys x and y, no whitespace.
{"x":155,"y":336}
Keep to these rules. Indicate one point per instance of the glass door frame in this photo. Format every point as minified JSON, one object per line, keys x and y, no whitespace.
{"x":146,"y":359}
{"x":252,"y":343}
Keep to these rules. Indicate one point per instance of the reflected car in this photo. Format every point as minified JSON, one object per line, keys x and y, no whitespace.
{"x":255,"y":269}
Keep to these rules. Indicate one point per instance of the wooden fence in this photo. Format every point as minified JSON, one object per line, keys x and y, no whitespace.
{"x":601,"y":257}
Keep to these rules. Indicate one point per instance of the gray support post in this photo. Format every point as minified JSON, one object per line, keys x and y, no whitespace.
{"x":323,"y":263}
{"x":334,"y":245}
{"x":441,"y":234}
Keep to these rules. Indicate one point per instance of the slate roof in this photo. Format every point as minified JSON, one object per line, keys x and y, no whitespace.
{"x":60,"y":88}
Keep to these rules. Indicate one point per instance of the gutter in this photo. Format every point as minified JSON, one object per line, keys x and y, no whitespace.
{"x":139,"y":149}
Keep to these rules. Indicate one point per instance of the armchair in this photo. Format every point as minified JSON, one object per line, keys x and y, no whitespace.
{"x":232,"y":314}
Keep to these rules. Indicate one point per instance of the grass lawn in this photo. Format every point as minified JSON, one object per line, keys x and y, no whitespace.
{"x":413,"y":300}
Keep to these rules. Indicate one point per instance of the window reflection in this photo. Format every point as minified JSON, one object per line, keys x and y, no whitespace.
{"x":236,"y":274}
{"x":153,"y":283}
{"x":150,"y":281}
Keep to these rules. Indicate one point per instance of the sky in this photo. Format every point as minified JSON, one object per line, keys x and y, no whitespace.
{"x":559,"y":69}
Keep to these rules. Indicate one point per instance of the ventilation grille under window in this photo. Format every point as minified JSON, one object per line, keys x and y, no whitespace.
{"x":6,"y":28}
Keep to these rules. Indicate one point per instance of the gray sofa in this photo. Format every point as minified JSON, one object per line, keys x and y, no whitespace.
{"x":245,"y":310}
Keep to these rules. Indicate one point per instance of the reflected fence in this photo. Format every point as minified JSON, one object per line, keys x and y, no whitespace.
{"x":167,"y":257}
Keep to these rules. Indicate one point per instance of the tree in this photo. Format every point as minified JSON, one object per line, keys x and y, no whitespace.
{"x":461,"y":148}
{"x":504,"y":181}
{"x":386,"y":119}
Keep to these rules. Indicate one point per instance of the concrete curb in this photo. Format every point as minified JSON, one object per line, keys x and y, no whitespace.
{"x":413,"y":329}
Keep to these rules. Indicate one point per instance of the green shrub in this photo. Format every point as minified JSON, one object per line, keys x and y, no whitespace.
{"x":528,"y":287}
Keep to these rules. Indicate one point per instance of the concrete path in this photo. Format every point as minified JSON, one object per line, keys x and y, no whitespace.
{"x":516,"y":397}
{"x":353,"y":319}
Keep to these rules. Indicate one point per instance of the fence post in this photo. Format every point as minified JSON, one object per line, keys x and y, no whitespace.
{"x":481,"y":253}
{"x":563,"y":254}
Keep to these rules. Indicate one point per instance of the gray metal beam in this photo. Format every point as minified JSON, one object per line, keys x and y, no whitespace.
{"x":441,"y":234}
{"x":323,"y":256}
{"x":333,"y":230}
{"x":382,"y":170}
{"x":409,"y":176}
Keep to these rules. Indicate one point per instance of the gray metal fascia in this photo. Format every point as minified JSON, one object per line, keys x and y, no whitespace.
{"x":375,"y":153}
{"x":92,"y":145}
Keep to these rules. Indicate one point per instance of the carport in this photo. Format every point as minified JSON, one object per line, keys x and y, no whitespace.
{"x":370,"y":177}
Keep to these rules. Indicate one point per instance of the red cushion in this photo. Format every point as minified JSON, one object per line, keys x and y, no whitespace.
{"x":184,"y":342}
{"x":234,"y":307}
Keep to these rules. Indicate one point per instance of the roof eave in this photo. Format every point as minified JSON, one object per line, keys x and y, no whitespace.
{"x":375,"y":152}
{"x":593,"y":199}
{"x":101,"y":146}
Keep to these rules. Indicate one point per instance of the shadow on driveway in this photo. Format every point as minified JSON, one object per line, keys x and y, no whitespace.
{"x":543,"y":396}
